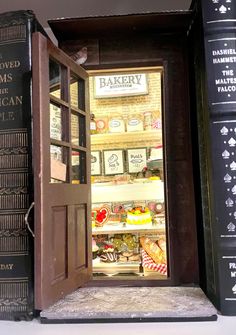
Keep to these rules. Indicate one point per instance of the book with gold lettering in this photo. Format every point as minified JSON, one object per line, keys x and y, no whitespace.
{"x":214,"y":57}
{"x":16,"y":179}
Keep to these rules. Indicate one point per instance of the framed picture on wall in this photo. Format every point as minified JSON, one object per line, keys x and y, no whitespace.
{"x":137,"y":159}
{"x":96,"y":163}
{"x":113,"y":162}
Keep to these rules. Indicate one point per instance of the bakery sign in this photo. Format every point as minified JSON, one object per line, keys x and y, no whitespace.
{"x":119,"y":85}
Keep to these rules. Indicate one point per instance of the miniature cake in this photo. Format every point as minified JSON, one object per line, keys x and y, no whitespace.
{"x":138,"y":216}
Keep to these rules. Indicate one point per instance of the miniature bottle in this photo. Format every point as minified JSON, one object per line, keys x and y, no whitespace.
{"x":93,"y":126}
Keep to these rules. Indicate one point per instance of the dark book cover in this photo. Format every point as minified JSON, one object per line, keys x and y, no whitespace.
{"x":215,"y":76}
{"x":16,"y":178}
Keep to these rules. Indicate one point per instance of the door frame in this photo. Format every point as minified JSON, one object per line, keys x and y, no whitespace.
{"x":172,"y":235}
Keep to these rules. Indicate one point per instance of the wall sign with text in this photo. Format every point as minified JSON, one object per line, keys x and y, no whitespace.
{"x":96,"y":163}
{"x":119,"y":85}
{"x":137,"y":159}
{"x":113,"y":162}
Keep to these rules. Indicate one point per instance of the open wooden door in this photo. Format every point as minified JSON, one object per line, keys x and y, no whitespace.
{"x":61,"y":158}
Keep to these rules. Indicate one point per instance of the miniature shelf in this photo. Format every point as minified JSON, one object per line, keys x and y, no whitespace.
{"x":135,"y":137}
{"x":159,"y":228}
{"x":153,"y":190}
{"x":115,"y":268}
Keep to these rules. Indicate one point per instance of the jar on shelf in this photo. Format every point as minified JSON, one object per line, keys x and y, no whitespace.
{"x":134,"y":123}
{"x":116,"y":124}
{"x":147,"y":121}
{"x":93,"y":126}
{"x":102,"y":124}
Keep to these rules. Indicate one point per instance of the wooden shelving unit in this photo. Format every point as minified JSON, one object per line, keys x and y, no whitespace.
{"x":108,"y":192}
{"x":133,"y":139}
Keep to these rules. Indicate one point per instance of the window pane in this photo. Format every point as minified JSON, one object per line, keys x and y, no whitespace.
{"x":74,"y":92}
{"x":78,"y":130}
{"x":77,"y":93}
{"x":78,"y":161}
{"x":75,"y":129}
{"x":54,"y":78}
{"x":55,"y":122}
{"x":59,"y":164}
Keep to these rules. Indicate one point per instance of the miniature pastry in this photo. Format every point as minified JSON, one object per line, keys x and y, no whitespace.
{"x":124,"y":242}
{"x":162,"y":244}
{"x":134,"y":258}
{"x":129,"y":241}
{"x":108,"y":254}
{"x":127,"y":254}
{"x":123,"y":259}
{"x":109,"y":257}
{"x":118,"y":243}
{"x":102,"y":215}
{"x":153,"y":250}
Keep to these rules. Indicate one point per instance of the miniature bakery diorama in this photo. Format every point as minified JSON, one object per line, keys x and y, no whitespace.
{"x":128,"y":198}
{"x":130,"y":153}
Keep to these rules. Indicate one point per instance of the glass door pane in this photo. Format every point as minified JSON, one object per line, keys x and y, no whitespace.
{"x":77,"y":91}
{"x":55,"y":78}
{"x":55,"y":122}
{"x":78,"y":129}
{"x":59,"y":164}
{"x":67,"y":126}
{"x":78,"y":167}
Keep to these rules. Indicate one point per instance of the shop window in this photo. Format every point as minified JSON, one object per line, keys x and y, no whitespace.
{"x":128,"y":178}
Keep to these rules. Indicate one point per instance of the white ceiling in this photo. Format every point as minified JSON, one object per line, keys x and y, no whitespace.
{"x":51,"y":9}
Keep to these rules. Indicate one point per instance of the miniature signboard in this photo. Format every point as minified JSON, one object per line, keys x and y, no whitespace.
{"x":119,"y":85}
{"x":96,"y":163}
{"x":58,"y":170}
{"x":137,"y":159}
{"x":113,"y":162}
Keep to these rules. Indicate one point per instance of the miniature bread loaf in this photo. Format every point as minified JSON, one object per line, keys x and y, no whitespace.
{"x":134,"y":257}
{"x":152,"y":250}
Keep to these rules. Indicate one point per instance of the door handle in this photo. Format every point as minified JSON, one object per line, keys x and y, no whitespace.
{"x":26,"y":220}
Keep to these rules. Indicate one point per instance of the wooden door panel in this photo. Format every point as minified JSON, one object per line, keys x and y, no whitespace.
{"x":64,"y":191}
{"x":59,"y":244}
{"x":78,"y":260}
{"x":80,"y":237}
{"x":63,"y":255}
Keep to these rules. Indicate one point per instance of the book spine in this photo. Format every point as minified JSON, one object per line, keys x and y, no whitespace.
{"x":16,"y":179}
{"x":219,"y":24}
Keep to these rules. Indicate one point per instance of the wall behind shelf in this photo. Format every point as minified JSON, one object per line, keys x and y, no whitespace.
{"x":150,"y":102}
{"x":126,"y":106}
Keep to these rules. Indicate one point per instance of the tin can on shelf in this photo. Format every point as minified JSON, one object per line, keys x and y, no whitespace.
{"x":116,"y":124}
{"x":102,"y":124}
{"x":135,"y":123}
